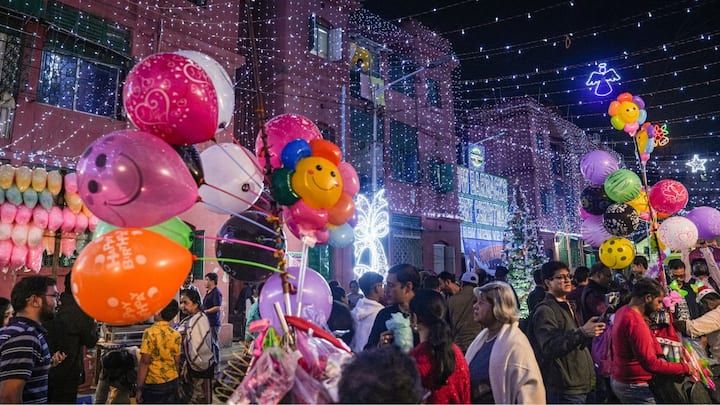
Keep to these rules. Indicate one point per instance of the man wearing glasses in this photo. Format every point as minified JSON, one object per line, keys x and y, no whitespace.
{"x":559,"y":343}
{"x":24,"y":355}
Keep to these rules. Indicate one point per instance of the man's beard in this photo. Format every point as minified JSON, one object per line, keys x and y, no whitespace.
{"x":649,"y":309}
{"x":46,"y":314}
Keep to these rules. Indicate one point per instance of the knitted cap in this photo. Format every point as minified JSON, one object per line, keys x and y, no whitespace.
{"x":704,"y":290}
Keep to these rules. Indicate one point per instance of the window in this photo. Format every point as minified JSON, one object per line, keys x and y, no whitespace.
{"x":359,"y":149}
{"x":198,"y":250}
{"x":433,"y":93}
{"x":404,"y":152}
{"x":540,"y":141}
{"x":319,"y":34}
{"x":77,"y":84}
{"x":400,"y":67}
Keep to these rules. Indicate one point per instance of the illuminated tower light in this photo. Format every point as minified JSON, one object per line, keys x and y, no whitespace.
{"x":373,"y":224}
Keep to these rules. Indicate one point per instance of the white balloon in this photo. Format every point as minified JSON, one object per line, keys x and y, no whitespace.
{"x":34,"y":236}
{"x":233,"y":179}
{"x":221,"y":81}
{"x":678,"y":233}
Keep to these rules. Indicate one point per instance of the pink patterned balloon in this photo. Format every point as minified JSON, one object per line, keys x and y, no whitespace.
{"x":172,"y":97}
{"x":134,"y":179}
{"x":668,"y":196}
{"x":280,"y":130}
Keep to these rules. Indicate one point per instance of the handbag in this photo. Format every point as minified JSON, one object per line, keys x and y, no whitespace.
{"x":677,"y":389}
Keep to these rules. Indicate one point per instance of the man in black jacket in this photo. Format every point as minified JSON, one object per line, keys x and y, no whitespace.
{"x":68,"y":332}
{"x":559,"y":343}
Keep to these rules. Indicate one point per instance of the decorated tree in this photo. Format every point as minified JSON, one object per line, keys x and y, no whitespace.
{"x":523,"y":250}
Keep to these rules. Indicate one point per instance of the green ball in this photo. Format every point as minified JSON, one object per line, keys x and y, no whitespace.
{"x":622,"y":185}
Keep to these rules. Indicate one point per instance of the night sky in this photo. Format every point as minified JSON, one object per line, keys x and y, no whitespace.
{"x":667,"y":52}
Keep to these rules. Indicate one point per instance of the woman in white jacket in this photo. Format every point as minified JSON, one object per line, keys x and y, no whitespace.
{"x":198,"y":366}
{"x":502,"y":363}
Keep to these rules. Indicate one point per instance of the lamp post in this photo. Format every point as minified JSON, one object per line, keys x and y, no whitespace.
{"x":376,"y":91}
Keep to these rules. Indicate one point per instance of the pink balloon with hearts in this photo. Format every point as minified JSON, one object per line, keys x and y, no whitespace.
{"x":678,"y":233}
{"x":280,"y":130}
{"x":173,"y":97}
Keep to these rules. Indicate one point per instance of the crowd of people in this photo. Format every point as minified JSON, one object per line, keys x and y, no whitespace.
{"x":593,"y":335}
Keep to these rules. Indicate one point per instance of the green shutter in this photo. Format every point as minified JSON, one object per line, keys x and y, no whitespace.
{"x":89,"y":27}
{"x":29,"y":7}
{"x":198,"y":250}
{"x":319,"y":259}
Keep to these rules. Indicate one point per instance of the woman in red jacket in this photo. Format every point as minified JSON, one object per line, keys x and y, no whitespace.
{"x":443,"y":370}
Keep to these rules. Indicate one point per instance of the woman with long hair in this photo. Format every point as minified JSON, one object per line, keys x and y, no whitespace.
{"x":443,"y":370}
{"x":503,"y":368}
{"x":198,"y":364}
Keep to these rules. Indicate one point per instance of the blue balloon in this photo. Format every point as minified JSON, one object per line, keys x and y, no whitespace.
{"x":642,"y":117}
{"x":30,"y":198}
{"x":341,"y":236}
{"x":46,"y":199}
{"x":13,"y":195}
{"x":293,"y":152}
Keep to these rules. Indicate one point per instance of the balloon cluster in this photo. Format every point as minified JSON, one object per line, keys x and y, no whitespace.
{"x":312,"y":182}
{"x":627,"y":113}
{"x":135,"y":179}
{"x":28,"y":208}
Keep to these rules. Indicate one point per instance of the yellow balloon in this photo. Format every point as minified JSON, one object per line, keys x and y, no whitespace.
{"x":74,"y":202}
{"x":642,"y":139}
{"x":23,"y":178}
{"x":39,"y":179}
{"x":640,"y":203}
{"x":318,"y":182}
{"x":7,"y":175}
{"x":54,"y":182}
{"x":617,"y":253}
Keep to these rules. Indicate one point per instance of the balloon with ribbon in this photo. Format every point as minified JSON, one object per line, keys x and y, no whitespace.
{"x":668,"y":196}
{"x":280,"y":131}
{"x":627,"y":113}
{"x":233,"y":178}
{"x":245,"y":244}
{"x":174,"y":229}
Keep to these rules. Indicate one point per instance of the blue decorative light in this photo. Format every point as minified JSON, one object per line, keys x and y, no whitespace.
{"x":601,"y":79}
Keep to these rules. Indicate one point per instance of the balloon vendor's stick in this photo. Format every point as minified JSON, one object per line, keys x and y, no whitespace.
{"x":281,"y":317}
{"x":238,"y":261}
{"x":227,"y":211}
{"x":301,"y":274}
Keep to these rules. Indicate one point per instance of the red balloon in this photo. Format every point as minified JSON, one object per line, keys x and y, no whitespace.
{"x":172,"y":97}
{"x":327,"y":150}
{"x":280,"y":130}
{"x":668,"y":196}
{"x":128,"y":275}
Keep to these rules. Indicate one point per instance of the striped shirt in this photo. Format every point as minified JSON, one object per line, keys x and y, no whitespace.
{"x":24,"y":355}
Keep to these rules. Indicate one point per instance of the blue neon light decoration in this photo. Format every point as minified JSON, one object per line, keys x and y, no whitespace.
{"x":601,"y":79}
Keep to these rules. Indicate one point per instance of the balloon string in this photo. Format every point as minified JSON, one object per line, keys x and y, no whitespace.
{"x":227,"y":211}
{"x":233,"y":196}
{"x":255,"y":162}
{"x":231,"y":157}
{"x":241,"y":242}
{"x":238,"y":261}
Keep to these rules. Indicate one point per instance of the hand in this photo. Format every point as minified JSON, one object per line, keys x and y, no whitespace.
{"x":593,"y":328}
{"x":57,"y":358}
{"x":386,"y":338}
{"x":138,"y":395}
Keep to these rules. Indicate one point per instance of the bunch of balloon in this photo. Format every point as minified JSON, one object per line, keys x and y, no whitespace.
{"x":30,"y":216}
{"x":135,"y":179}
{"x":314,"y":186}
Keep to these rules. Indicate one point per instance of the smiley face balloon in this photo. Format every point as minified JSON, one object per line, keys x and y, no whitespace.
{"x":134,"y":179}
{"x":318,"y":182}
{"x":617,"y":253}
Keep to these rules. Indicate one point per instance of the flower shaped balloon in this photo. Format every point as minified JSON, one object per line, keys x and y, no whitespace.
{"x":627,"y":113}
{"x":318,"y":190}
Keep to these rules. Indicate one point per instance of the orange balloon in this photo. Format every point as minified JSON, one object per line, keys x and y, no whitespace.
{"x":342,"y":210}
{"x":54,"y":182}
{"x":326,"y":150}
{"x":128,"y":275}
{"x":23,"y":178}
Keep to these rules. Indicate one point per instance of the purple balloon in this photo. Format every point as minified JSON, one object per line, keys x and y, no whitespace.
{"x":316,"y":292}
{"x":134,"y":179}
{"x":707,"y":220}
{"x":595,"y":166}
{"x":593,"y":231}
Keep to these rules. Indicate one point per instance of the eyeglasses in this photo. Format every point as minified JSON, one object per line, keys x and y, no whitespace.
{"x":56,"y":296}
{"x":562,"y":277}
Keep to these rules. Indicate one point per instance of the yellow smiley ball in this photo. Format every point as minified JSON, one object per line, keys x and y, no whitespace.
{"x":617,"y":253}
{"x":629,"y":112}
{"x":318,"y":182}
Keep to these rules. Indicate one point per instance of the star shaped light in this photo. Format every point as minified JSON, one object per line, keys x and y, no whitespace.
{"x":696,"y":164}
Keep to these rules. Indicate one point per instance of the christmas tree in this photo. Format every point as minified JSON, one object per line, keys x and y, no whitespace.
{"x":523,"y":250}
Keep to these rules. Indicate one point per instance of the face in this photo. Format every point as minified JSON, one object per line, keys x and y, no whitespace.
{"x":7,"y":315}
{"x":354,"y":288}
{"x":483,"y":311}
{"x":711,"y":303}
{"x":318,"y":182}
{"x":189,"y":279}
{"x":50,"y":302}
{"x":187,"y":306}
{"x":653,"y":304}
{"x":637,"y":269}
{"x":604,"y":278}
{"x":397,"y":292}
{"x":629,"y":111}
{"x":444,"y":285}
{"x":209,"y":283}
{"x":559,"y":285}
{"x":679,"y":275}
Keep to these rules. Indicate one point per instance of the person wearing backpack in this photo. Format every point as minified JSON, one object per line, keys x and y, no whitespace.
{"x":198,"y":364}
